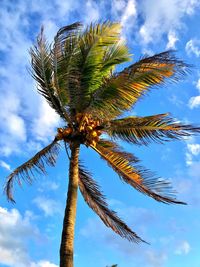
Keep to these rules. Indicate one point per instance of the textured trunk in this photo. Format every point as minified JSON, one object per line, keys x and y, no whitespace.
{"x":67,"y":242}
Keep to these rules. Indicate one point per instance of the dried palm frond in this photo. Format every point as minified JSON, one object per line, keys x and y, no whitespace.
{"x":24,"y":172}
{"x":143,"y":130}
{"x":141,"y":179}
{"x":96,"y":201}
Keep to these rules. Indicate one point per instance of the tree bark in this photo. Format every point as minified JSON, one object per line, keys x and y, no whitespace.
{"x":67,"y":241}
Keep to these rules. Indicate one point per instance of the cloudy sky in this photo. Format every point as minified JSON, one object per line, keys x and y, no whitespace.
{"x":30,"y":230}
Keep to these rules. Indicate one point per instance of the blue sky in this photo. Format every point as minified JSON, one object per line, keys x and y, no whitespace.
{"x":30,"y":230}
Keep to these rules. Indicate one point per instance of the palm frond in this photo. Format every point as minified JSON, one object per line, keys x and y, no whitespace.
{"x":115,"y":54}
{"x":24,"y":172}
{"x":100,"y":50}
{"x":143,"y":130}
{"x":42,"y":72}
{"x":96,"y":200}
{"x":121,"y":91}
{"x":129,"y":171}
{"x":64,"y":56}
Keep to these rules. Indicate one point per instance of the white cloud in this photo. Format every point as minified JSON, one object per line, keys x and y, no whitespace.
{"x":172,"y":39}
{"x":118,"y":6}
{"x":13,"y":130}
{"x":50,"y":29}
{"x":163,"y":16}
{"x":194,"y":170}
{"x":194,"y":102}
{"x":129,"y":13}
{"x":183,"y":248}
{"x":191,"y":6}
{"x":15,"y":231}
{"x":44,"y":125}
{"x":5,"y":165}
{"x":43,"y":264}
{"x":184,"y":185}
{"x":156,"y":259}
{"x":194,"y":149}
{"x":193,"y":47}
{"x":189,"y":159}
{"x":47,"y":185}
{"x":187,"y":183}
{"x":92,"y":9}
{"x":126,"y":13}
{"x":49,"y":206}
{"x":198,"y":84}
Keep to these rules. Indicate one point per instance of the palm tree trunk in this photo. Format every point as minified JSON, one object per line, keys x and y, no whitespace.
{"x":67,"y":242}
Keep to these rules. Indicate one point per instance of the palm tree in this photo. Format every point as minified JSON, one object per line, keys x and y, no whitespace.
{"x":77,"y":77}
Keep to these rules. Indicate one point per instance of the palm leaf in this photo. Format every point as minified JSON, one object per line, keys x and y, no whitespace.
{"x":64,"y":56}
{"x":96,"y":200}
{"x":42,"y":71}
{"x":115,"y":54}
{"x":123,"y":89}
{"x":37,"y":163}
{"x":130,"y":172}
{"x":142,"y":130}
{"x":100,"y":50}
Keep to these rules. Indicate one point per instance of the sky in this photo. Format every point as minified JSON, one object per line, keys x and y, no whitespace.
{"x":30,"y":229}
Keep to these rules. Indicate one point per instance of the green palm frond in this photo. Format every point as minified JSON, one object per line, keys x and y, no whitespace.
{"x":97,"y":45}
{"x":130,"y":172}
{"x":83,"y":59}
{"x":115,"y":54}
{"x":42,"y":71}
{"x":64,"y":56}
{"x":143,"y":130}
{"x":101,"y":49}
{"x":96,"y":201}
{"x":24,"y":172}
{"x":121,"y":91}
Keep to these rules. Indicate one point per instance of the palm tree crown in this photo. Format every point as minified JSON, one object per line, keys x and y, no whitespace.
{"x":77,"y":76}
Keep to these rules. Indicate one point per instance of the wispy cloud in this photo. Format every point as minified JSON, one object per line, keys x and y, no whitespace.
{"x":198,"y":85}
{"x":172,"y":39}
{"x":193,"y":47}
{"x":129,"y":13}
{"x":183,"y":248}
{"x":92,"y":8}
{"x":156,"y":258}
{"x":5,"y":165}
{"x":48,"y":185}
{"x":187,"y":182}
{"x":194,"y":102}
{"x":49,"y":206}
{"x":194,"y":149}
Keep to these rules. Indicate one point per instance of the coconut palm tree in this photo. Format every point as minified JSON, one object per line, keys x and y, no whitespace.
{"x":77,"y":77}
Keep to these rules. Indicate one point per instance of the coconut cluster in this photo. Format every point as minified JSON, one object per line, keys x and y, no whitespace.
{"x":86,"y":129}
{"x":64,"y":133}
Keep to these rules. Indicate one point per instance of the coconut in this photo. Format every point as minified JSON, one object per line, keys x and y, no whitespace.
{"x":93,"y":134}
